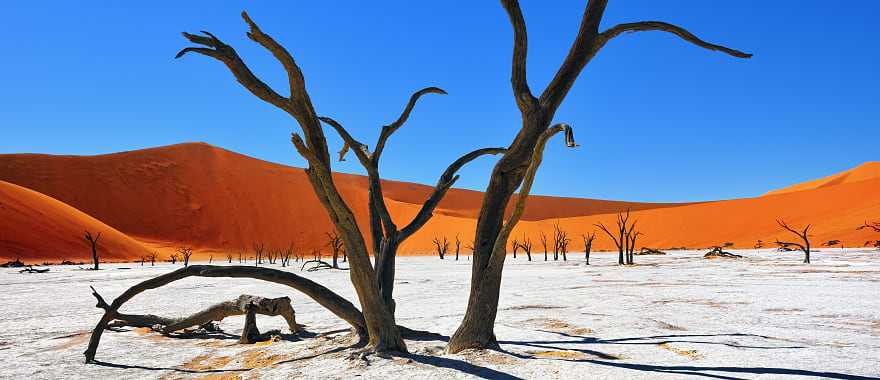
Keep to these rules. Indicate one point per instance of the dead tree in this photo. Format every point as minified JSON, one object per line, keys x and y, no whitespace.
{"x":526,"y":246}
{"x":544,"y":243}
{"x":560,"y":242}
{"x":173,"y":258}
{"x":143,"y":259}
{"x":804,"y":246}
{"x":441,"y":247}
{"x":473,"y":331}
{"x":323,"y":296}
{"x":215,"y":313}
{"x":457,"y":246}
{"x":477,"y":328}
{"x":211,"y":259}
{"x":93,"y":243}
{"x":874,"y":226}
{"x":832,"y":243}
{"x":259,"y":248}
{"x":759,"y":244}
{"x":229,"y":257}
{"x":588,"y":245}
{"x":631,"y":236}
{"x":621,"y":239}
{"x":185,"y":254}
{"x":285,"y":258}
{"x":336,"y":247}
{"x":514,"y":244}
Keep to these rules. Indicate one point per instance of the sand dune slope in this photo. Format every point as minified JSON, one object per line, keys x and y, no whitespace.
{"x":863,"y":172}
{"x":34,"y":226}
{"x":212,"y":199}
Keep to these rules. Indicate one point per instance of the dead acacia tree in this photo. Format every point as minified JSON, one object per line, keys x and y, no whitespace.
{"x":214,"y":313}
{"x":471,"y":331}
{"x":804,"y":246}
{"x":93,"y":243}
{"x":259,"y":248}
{"x":759,"y":244}
{"x":526,"y":245}
{"x":457,"y":246}
{"x":514,"y":245}
{"x":544,"y":243}
{"x":152,"y":257}
{"x":477,"y":328}
{"x":336,"y":247}
{"x":385,"y":234}
{"x":339,"y":306}
{"x":631,"y":236}
{"x":173,"y":258}
{"x":229,"y":257}
{"x":560,"y":242}
{"x":185,"y":254}
{"x":588,"y":245}
{"x":285,"y":258}
{"x":874,"y":226}
{"x":620,"y":237}
{"x":441,"y":247}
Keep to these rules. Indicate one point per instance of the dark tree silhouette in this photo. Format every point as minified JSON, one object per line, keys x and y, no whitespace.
{"x":621,"y":237}
{"x":526,"y":245}
{"x":514,"y":245}
{"x":336,"y":247}
{"x":174,"y":257}
{"x":477,"y":327}
{"x":185,"y":254}
{"x":457,"y":246}
{"x":804,"y":246}
{"x":588,"y":245}
{"x":93,"y":243}
{"x":441,"y":247}
{"x":544,"y":243}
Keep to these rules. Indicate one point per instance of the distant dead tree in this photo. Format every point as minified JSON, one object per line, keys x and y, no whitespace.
{"x":185,"y":254}
{"x":803,"y":235}
{"x":211,"y":259}
{"x":514,"y":244}
{"x":588,"y":245}
{"x":93,"y":243}
{"x":152,"y":257}
{"x":259,"y":248}
{"x":622,"y":238}
{"x":229,"y":257}
{"x":173,"y":258}
{"x":143,"y":259}
{"x":526,"y":246}
{"x":544,"y":243}
{"x":560,"y":242}
{"x":334,"y":242}
{"x":631,"y":236}
{"x":457,"y":246}
{"x":832,"y":243}
{"x":285,"y":258}
{"x":240,"y":254}
{"x":759,"y":244}
{"x":441,"y":247}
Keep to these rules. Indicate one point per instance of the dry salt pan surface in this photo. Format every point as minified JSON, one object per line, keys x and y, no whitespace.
{"x":678,"y":316}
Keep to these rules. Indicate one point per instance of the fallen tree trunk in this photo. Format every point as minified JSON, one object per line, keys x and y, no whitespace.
{"x":325,"y":297}
{"x":239,"y":306}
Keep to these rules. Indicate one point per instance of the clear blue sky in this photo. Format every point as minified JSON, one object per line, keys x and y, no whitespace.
{"x":658,"y":119}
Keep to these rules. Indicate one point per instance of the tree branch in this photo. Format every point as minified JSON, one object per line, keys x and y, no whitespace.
{"x":521,"y":92}
{"x":360,"y":150}
{"x":499,"y":249}
{"x":581,"y":52}
{"x":447,"y":179}
{"x":224,"y":53}
{"x":645,"y":26}
{"x":388,"y":130}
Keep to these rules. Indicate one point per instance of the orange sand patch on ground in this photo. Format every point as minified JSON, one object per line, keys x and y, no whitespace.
{"x":206,"y":362}
{"x":690,"y":354}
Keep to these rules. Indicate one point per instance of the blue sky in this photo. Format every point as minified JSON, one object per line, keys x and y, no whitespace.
{"x":658,"y":119}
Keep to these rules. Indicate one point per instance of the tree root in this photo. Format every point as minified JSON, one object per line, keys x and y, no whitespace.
{"x":319,"y":264}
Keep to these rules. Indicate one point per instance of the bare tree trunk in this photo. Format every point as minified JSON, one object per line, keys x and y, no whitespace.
{"x":93,"y":243}
{"x":215,"y":313}
{"x":477,"y":327}
{"x":325,"y":297}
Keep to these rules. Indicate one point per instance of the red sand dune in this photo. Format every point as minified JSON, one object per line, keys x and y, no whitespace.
{"x":35,"y":226}
{"x":216,"y":200}
{"x":863,"y":172}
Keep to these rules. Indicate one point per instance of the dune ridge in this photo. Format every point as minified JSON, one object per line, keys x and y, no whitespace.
{"x":214,"y":200}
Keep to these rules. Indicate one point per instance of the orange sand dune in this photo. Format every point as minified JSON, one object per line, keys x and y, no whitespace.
{"x":35,"y":227}
{"x":216,"y":200}
{"x":863,"y":172}
{"x":210,"y":198}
